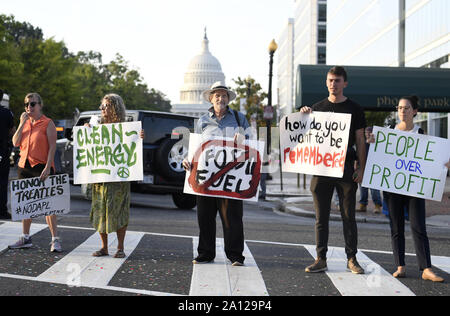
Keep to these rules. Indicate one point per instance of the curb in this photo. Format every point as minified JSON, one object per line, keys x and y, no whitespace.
{"x":284,"y":207}
{"x":293,"y":210}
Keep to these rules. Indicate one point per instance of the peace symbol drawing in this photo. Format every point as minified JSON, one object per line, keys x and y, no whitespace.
{"x":123,"y":172}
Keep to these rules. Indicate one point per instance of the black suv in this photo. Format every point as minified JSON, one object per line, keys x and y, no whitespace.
{"x":164,"y":150}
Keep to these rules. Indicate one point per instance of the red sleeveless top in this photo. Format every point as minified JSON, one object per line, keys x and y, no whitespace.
{"x":34,"y":142}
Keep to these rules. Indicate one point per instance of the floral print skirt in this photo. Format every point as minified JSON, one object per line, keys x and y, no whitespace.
{"x":110,"y":209}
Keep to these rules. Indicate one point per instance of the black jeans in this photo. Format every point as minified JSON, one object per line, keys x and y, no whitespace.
{"x":231,"y":214}
{"x":322,"y":190}
{"x":417,"y":215}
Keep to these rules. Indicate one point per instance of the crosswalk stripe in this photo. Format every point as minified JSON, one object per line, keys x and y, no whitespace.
{"x":210,"y":279}
{"x":247,"y":280}
{"x":222,"y":279}
{"x":11,"y":231}
{"x":80,"y":268}
{"x":375,"y":282}
{"x":442,"y":263}
{"x":108,"y":288}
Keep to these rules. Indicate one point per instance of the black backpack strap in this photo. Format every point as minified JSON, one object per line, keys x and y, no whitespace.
{"x":236,"y":116}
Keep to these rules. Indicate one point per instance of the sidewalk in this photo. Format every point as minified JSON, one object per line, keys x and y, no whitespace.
{"x":295,"y":198}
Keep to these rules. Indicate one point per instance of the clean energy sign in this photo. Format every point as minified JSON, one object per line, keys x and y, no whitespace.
{"x":107,"y":153}
{"x":407,"y":163}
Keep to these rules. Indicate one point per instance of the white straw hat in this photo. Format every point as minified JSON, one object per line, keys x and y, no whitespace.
{"x":218,"y":86}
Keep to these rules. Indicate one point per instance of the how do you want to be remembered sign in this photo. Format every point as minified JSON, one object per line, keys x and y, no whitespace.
{"x":107,"y":153}
{"x":315,"y":143}
{"x":33,"y":198}
{"x":222,"y":168}
{"x":407,"y":163}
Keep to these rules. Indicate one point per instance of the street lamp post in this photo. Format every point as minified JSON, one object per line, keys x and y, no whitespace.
{"x":272,"y":48}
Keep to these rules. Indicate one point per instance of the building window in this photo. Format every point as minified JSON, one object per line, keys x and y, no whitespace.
{"x":321,"y":55}
{"x":322,"y":12}
{"x":322,"y":34}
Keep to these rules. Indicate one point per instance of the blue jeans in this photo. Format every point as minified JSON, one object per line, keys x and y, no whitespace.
{"x":364,"y":198}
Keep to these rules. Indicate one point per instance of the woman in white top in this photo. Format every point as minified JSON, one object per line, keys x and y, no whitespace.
{"x":407,"y":110}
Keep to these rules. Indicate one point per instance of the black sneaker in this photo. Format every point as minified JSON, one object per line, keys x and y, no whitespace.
{"x":354,"y":267}
{"x":320,"y":265}
{"x":202,"y":260}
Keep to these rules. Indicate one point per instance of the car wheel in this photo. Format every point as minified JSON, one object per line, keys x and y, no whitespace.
{"x":184,"y":201}
{"x":170,"y":159}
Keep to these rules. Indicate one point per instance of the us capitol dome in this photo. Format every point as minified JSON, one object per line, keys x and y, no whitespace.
{"x":203,"y":70}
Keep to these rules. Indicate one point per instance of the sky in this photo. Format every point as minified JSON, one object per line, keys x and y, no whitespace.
{"x":160,"y":37}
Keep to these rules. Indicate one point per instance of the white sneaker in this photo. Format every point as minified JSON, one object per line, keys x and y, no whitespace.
{"x":22,"y":243}
{"x":55,"y":246}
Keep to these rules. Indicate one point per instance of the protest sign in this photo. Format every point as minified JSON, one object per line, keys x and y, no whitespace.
{"x":314,"y":143}
{"x":407,"y":163}
{"x":33,"y":198}
{"x":221,"y":168}
{"x":107,"y":153}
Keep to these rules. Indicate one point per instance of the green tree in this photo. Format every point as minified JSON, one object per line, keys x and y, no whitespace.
{"x":11,"y":65}
{"x":93,"y":79}
{"x":252,"y":91}
{"x":378,"y":118}
{"x":30,"y":63}
{"x":129,"y":84}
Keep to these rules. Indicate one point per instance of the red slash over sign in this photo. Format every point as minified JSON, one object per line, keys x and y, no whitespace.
{"x":204,"y":188}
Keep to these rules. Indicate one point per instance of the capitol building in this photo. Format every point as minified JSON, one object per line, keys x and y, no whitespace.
{"x":203,"y":70}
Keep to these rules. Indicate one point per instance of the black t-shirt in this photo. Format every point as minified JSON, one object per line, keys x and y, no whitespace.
{"x":358,"y":121}
{"x":6,"y":123}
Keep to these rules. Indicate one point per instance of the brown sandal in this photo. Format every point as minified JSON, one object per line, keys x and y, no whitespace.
{"x":119,"y":254}
{"x":100,"y":253}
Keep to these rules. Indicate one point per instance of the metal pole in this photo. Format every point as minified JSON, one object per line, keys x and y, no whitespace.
{"x":269,"y":103}
{"x":401,"y":33}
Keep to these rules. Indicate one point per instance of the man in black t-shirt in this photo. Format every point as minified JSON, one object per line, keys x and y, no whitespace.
{"x":6,"y":131}
{"x":322,"y":187}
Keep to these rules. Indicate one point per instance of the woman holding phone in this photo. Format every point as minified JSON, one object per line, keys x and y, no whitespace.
{"x":36,"y":137}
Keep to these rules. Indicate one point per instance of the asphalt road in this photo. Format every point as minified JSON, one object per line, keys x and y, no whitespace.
{"x":160,"y":262}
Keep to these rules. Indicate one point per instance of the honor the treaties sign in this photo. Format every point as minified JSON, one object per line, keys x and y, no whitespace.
{"x":33,"y":198}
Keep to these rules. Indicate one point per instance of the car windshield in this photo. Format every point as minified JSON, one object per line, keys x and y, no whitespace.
{"x":159,"y":127}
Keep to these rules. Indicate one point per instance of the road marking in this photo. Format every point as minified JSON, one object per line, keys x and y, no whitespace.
{"x":11,"y":231}
{"x":376,"y":281}
{"x":108,"y":288}
{"x":210,"y":279}
{"x":80,"y":268}
{"x":247,"y":280}
{"x":442,"y":263}
{"x":222,"y":279}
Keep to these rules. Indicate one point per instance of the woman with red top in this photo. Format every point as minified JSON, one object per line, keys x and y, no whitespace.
{"x":36,"y":136}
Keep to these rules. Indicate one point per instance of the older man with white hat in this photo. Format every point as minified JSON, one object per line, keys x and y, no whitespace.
{"x":221,"y":121}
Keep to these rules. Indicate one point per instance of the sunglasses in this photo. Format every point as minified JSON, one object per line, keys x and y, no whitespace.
{"x":32,"y":104}
{"x":103,"y":107}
